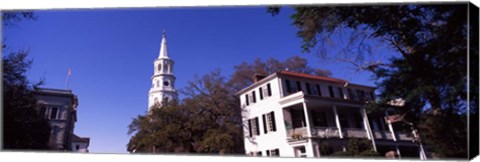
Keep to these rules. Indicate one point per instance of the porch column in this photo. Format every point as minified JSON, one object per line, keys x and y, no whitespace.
{"x":390,"y":127}
{"x":309,"y":151}
{"x":337,"y":121}
{"x":367,"y":128}
{"x":307,"y":119}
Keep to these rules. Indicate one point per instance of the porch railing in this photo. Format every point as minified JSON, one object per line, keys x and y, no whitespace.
{"x":325,"y":132}
{"x":355,"y":133}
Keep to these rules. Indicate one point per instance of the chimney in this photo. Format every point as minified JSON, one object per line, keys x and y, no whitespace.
{"x":257,"y":77}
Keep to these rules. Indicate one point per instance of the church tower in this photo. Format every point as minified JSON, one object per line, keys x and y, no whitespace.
{"x":163,"y":80}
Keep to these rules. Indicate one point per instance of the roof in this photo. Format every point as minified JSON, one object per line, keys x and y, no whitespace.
{"x":321,"y":78}
{"x":53,"y":91}
{"x":76,"y":138}
{"x":315,"y":77}
{"x":302,"y":75}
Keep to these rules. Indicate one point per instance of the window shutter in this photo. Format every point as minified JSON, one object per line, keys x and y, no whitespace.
{"x":246,"y":99}
{"x":299,"y":87}
{"x":261,"y":93}
{"x":43,"y":110}
{"x":269,"y":89}
{"x":278,"y":152}
{"x":264,"y":124}
{"x":258,"y":127}
{"x":309,"y":91}
{"x":250,"y":127}
{"x":272,"y":114}
{"x":319,"y":91}
{"x":289,"y":89}
{"x":254,"y":97}
{"x":268,"y":152}
{"x":341,"y":93}
{"x":330,"y":89}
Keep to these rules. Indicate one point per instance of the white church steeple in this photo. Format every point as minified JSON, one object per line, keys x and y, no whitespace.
{"x":163,"y":47}
{"x":163,"y":80}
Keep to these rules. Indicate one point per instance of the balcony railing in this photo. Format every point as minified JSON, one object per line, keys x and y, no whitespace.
{"x":297,"y":133}
{"x":325,"y":132}
{"x":382,"y":135}
{"x":354,"y":133}
{"x":404,"y":136}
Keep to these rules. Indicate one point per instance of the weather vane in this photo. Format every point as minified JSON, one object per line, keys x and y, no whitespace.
{"x":163,"y":32}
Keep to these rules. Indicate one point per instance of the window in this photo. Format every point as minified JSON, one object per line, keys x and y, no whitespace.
{"x":165,"y":83}
{"x":254,"y":129}
{"x":330,"y":89}
{"x":309,"y":91}
{"x":289,"y":88}
{"x":269,"y":122}
{"x":53,"y":113}
{"x":254,"y":98}
{"x":246,"y":99}
{"x":274,"y":152}
{"x":361,"y":95}
{"x":298,"y":118}
{"x":337,"y":92}
{"x":77,"y":147}
{"x":265,"y":91}
{"x":319,"y":119}
{"x":159,"y":67}
{"x":259,"y":153}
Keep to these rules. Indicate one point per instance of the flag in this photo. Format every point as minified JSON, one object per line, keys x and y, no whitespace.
{"x":394,"y":118}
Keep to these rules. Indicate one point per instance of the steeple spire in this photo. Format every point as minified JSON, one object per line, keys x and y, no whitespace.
{"x":163,"y":46}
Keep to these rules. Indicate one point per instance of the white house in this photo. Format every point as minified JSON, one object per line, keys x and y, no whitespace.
{"x":80,"y":144}
{"x":291,"y":114}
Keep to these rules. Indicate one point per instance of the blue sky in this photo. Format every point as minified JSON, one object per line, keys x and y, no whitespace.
{"x":111,"y":54}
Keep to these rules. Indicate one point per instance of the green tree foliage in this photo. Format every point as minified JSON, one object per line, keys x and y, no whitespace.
{"x":358,"y":148}
{"x":206,"y":121}
{"x":23,"y":126}
{"x":429,"y":70}
{"x":243,"y":74}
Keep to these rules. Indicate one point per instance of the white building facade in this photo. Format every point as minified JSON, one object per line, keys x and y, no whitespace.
{"x":163,"y":80}
{"x":292,"y":114}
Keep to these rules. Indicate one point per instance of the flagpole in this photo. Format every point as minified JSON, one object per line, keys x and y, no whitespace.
{"x":68,"y":77}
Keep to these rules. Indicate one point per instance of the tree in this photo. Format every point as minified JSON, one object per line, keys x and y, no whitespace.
{"x":358,"y":148}
{"x":24,"y":128}
{"x":243,"y":74}
{"x":428,"y":70}
{"x":206,"y":121}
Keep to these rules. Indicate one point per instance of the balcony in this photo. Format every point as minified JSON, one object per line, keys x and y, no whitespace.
{"x":354,"y":133}
{"x":325,"y":132}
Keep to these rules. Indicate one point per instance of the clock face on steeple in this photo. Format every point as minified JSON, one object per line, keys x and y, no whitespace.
{"x":165,"y":83}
